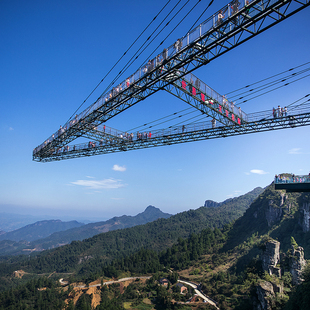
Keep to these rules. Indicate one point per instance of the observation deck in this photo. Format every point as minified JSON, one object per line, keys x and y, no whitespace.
{"x":292,"y":183}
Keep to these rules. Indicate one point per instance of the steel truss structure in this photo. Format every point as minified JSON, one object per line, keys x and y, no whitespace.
{"x":167,"y":71}
{"x":176,"y":135}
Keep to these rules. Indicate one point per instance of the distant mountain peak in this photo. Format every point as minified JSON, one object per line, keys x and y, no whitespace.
{"x":151,"y":208}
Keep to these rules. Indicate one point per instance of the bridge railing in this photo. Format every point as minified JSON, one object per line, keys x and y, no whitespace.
{"x":224,"y":103}
{"x":115,"y":136}
{"x":291,"y":178}
{"x":212,"y":22}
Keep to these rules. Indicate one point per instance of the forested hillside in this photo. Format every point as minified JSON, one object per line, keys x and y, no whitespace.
{"x":39,"y":230}
{"x":157,"y":236}
{"x":230,"y":261}
{"x":59,"y":237}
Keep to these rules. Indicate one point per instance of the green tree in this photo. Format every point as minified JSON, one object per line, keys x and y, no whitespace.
{"x":294,"y":243}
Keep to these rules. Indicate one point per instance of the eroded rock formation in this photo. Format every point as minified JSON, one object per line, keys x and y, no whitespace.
{"x":264,"y":294}
{"x":305,"y":216}
{"x":271,"y":257}
{"x":297,"y":264}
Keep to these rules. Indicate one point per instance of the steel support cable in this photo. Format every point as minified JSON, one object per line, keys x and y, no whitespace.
{"x":203,"y":117}
{"x":261,"y":125}
{"x":120,"y":58}
{"x":294,"y":107}
{"x":158,"y":119}
{"x":287,"y":106}
{"x":170,"y":32}
{"x":268,"y":85}
{"x":156,"y":37}
{"x":135,"y":57}
{"x":169,"y":120}
{"x":129,"y":64}
{"x":268,"y":78}
{"x":255,"y":113}
{"x":274,"y":89}
{"x":200,"y":16}
{"x":186,"y":124}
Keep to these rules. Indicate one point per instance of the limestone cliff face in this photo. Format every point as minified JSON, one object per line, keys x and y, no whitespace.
{"x":305,"y":216}
{"x":274,"y":211}
{"x":297,"y":263}
{"x":271,"y":257}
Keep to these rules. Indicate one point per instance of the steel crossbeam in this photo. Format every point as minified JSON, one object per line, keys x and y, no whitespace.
{"x":210,"y":44}
{"x":176,"y":135}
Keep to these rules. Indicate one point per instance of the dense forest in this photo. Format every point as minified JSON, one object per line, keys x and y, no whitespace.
{"x":224,"y":257}
{"x":157,"y":236}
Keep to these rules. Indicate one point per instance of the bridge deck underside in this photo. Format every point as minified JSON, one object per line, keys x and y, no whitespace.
{"x":293,"y":187}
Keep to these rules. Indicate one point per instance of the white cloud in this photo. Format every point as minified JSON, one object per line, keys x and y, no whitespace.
{"x":119,"y":168}
{"x":11,"y":128}
{"x":256,"y":171}
{"x":295,"y":151}
{"x":103,"y":184}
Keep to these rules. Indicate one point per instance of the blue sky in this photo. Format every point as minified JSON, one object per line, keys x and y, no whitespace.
{"x":54,"y":53}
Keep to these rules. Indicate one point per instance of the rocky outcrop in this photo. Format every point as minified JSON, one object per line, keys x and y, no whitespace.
{"x":305,"y":216}
{"x":274,"y":212}
{"x":264,"y":293}
{"x":297,"y":263}
{"x":271,"y":257}
{"x":211,"y":204}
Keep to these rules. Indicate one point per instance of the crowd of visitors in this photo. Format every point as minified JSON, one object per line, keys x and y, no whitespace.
{"x":292,"y":178}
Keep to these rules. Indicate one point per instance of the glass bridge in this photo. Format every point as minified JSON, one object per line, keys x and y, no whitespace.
{"x":292,"y":182}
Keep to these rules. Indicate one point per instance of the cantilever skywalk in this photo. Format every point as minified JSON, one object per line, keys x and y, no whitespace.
{"x":169,"y":70}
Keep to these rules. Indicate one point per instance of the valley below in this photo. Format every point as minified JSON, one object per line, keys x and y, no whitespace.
{"x":244,"y":253}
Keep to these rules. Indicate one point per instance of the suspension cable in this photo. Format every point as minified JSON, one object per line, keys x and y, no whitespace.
{"x":120,"y":58}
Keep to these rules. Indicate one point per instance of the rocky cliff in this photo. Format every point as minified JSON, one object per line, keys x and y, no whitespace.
{"x":264,"y":294}
{"x":305,"y":215}
{"x":271,"y":258}
{"x":297,"y":263}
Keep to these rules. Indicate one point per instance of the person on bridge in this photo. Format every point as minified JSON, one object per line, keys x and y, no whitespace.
{"x":220,"y":17}
{"x":213,"y":123}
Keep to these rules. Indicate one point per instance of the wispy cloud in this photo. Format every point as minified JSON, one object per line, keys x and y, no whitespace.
{"x":102,"y":184}
{"x":257,"y":171}
{"x":11,"y":128}
{"x":119,"y":168}
{"x":295,"y":151}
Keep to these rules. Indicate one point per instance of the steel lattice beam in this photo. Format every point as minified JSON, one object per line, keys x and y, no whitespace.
{"x":198,"y":132}
{"x":205,"y":43}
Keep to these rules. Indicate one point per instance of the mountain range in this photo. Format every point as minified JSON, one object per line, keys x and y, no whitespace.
{"x":54,"y":233}
{"x":224,"y":247}
{"x":39,"y":230}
